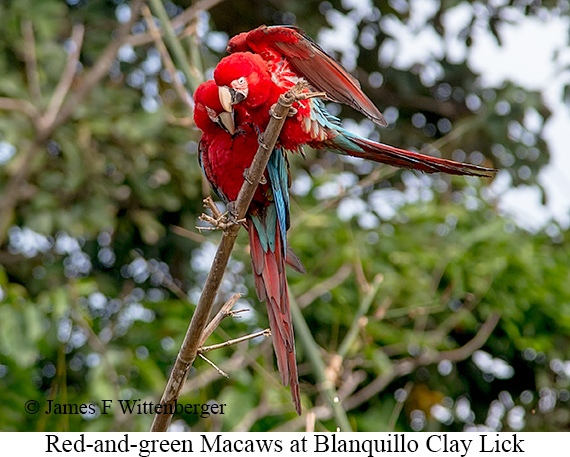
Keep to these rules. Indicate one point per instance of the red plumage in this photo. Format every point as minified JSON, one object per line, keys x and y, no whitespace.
{"x":224,"y":158}
{"x":279,"y":44}
{"x":282,"y":57}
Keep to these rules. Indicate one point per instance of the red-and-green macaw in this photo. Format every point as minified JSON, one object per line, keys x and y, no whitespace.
{"x":227,"y":147}
{"x":266,"y":62}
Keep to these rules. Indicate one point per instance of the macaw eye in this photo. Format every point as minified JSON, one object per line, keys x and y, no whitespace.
{"x":241,"y":80}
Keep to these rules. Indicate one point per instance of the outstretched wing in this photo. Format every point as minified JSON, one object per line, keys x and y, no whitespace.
{"x":311,"y":62}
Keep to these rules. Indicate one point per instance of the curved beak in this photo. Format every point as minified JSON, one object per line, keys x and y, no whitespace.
{"x":227,"y":121}
{"x":226,"y":96}
{"x":229,"y":96}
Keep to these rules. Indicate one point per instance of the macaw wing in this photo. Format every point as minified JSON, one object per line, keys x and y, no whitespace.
{"x":208,"y":172}
{"x":311,"y":62}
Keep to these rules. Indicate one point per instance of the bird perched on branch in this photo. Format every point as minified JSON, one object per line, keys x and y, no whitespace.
{"x":228,"y":145}
{"x":233,"y":112}
{"x":268,"y":61}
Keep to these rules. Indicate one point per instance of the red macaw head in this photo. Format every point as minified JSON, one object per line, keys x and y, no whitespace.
{"x":209,"y":115}
{"x":242,"y":77}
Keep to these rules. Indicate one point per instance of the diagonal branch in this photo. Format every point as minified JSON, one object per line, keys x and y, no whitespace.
{"x":31,"y":61}
{"x":192,"y":340}
{"x":193,"y":77}
{"x":43,"y":129}
{"x":224,"y":312}
{"x":166,"y":59}
{"x":99,"y":70}
{"x":399,"y":369}
{"x":14,"y":104}
{"x":407,"y":365}
{"x":178,"y":22}
{"x":66,"y":79}
{"x":241,"y":339}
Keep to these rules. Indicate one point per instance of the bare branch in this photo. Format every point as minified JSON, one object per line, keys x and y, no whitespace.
{"x":176,"y":82}
{"x":224,"y":312}
{"x":241,"y":339}
{"x":310,"y":422}
{"x":409,"y":364}
{"x":193,"y":76}
{"x":315,"y":292}
{"x":191,"y":343}
{"x":398,"y":407}
{"x":181,"y":231}
{"x":357,"y":321}
{"x":220,"y":372}
{"x":99,"y":70}
{"x":31,"y":61}
{"x":13,"y":104}
{"x":65,"y":81}
{"x":178,"y":22}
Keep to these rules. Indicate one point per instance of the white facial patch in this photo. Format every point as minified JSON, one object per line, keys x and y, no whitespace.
{"x":240,"y":85}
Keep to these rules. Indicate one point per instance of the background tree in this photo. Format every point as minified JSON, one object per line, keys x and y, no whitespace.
{"x":426,"y":304}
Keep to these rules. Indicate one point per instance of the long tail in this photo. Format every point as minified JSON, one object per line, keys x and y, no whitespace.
{"x":348,"y":143}
{"x":268,"y":260}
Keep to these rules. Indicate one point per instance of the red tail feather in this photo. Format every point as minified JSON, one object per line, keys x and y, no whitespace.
{"x":390,"y":155}
{"x":271,"y":284}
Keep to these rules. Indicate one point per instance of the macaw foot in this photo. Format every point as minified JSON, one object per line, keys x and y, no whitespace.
{"x":312,"y":95}
{"x":222,"y":223}
{"x":247,"y":178}
{"x":219,"y":221}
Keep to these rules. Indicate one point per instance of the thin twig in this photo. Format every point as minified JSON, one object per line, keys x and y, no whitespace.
{"x":220,"y":372}
{"x":191,"y":342}
{"x":193,"y":78}
{"x":176,"y":82}
{"x":209,"y":203}
{"x":31,"y":61}
{"x":66,"y":79}
{"x":398,"y":407}
{"x":409,"y":364}
{"x":99,"y":70}
{"x":310,"y":422}
{"x":181,"y":231}
{"x":330,"y":283}
{"x":177,"y":23}
{"x":324,"y":413}
{"x":356,"y":321}
{"x":241,"y":339}
{"x":13,"y":104}
{"x":224,"y":312}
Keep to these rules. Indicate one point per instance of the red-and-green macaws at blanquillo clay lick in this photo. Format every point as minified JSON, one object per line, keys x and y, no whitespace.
{"x":268,"y":61}
{"x":229,"y":143}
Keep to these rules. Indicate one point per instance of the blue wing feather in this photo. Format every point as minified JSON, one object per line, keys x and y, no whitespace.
{"x":277,"y":212}
{"x":279,"y":178}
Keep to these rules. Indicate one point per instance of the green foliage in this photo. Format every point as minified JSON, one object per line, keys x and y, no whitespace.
{"x":92,"y":268}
